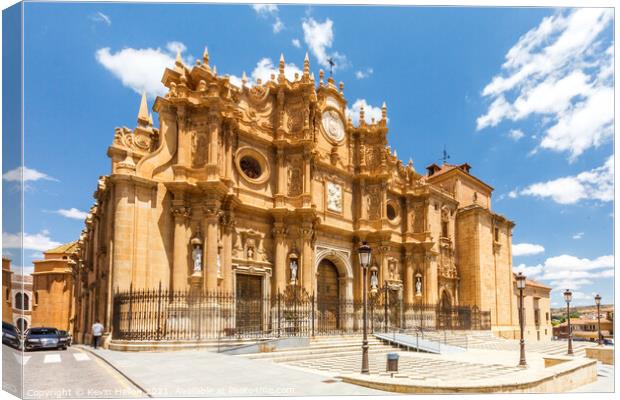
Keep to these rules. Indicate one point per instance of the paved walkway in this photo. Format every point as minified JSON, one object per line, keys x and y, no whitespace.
{"x":604,"y":383}
{"x":208,"y":374}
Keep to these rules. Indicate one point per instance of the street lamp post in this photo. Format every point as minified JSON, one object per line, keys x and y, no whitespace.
{"x":597,"y":299}
{"x":568,"y":296}
{"x":521,"y":286}
{"x":365,"y":255}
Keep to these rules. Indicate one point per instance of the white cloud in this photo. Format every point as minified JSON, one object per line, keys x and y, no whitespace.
{"x":363,"y":74}
{"x":526,"y":249}
{"x":265,"y":9}
{"x":101,"y":17}
{"x":578,"y":235}
{"x":516,"y":134}
{"x":141,"y":69}
{"x":596,"y":184}
{"x":370,"y":112}
{"x":73,"y":213}
{"x":278,"y":25}
{"x":561,"y":72}
{"x":296,"y":43}
{"x":39,"y":241}
{"x":26,"y":174}
{"x":319,"y":36}
{"x":570,"y":272}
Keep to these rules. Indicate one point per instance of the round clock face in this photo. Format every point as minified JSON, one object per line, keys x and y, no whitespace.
{"x":333,"y":126}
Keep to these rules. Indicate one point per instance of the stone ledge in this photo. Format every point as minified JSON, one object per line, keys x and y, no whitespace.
{"x":137,"y":345}
{"x":604,"y":354}
{"x":558,"y":378}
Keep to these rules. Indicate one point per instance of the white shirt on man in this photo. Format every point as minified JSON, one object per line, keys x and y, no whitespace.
{"x":97,"y":329}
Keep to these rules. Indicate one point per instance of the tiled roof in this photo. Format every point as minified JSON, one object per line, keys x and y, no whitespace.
{"x":67,"y":248}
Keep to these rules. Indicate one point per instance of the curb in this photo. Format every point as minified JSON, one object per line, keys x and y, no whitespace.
{"x":134,"y":383}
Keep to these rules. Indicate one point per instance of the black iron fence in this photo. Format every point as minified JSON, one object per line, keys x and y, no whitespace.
{"x":159,"y":314}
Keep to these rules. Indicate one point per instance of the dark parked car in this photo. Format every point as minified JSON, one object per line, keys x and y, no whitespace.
{"x":65,"y":338}
{"x":10,"y":335}
{"x":43,"y":338}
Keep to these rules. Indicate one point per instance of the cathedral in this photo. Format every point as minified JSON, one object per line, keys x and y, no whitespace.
{"x":253,"y":188}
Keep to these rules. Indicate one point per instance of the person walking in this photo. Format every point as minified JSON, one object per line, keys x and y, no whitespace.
{"x":97,"y":331}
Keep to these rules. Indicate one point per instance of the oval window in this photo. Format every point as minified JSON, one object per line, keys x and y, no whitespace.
{"x":250,"y":167}
{"x":391,"y":212}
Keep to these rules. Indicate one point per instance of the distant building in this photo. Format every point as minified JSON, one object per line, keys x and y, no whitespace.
{"x":7,"y":307}
{"x":21,"y":294}
{"x":585,"y":329}
{"x":52,"y":282}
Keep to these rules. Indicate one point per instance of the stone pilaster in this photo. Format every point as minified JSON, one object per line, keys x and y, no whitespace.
{"x":180,"y":268}
{"x":211,"y":225}
{"x":279,"y":273}
{"x":123,"y":236}
{"x":228,"y":226}
{"x":308,"y":278}
{"x":409,"y":278}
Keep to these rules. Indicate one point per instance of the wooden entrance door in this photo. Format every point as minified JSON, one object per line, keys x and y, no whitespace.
{"x":328,"y":297}
{"x":249,"y":300}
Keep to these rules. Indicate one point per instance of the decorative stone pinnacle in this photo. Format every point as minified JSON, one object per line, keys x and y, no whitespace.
{"x":321,"y":75}
{"x":281,"y":64}
{"x":205,"y":56}
{"x":383,"y":111}
{"x":214,"y":70}
{"x":179,"y":60}
{"x":341,"y":87}
{"x":143,"y":112}
{"x":306,"y":64}
{"x":244,"y":78}
{"x":362,"y":120}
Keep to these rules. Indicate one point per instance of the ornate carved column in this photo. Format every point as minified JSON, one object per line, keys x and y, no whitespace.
{"x":279,"y":274}
{"x":228,"y":226}
{"x":183,"y":137}
{"x":307,"y":198}
{"x":213,"y":130}
{"x":180,"y":268}
{"x":211,"y":224}
{"x":307,"y":267}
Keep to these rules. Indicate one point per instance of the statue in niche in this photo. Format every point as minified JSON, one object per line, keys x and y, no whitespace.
{"x":374,"y":203}
{"x":199,"y":146}
{"x":250,"y":253}
{"x":374,"y":280}
{"x":418,"y":285}
{"x":295,"y":180}
{"x":197,"y":257}
{"x":334,"y":197}
{"x":293,"y":267}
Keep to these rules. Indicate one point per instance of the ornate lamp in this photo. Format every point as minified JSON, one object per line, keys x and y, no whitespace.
{"x":597,"y":300}
{"x":521,"y":286}
{"x":568,"y":296}
{"x":365,"y":255}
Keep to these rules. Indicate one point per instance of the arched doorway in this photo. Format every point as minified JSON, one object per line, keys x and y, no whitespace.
{"x":328,"y":296}
{"x":445,"y":311}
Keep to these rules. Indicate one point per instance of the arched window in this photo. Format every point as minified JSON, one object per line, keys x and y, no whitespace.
{"x":22,"y":324}
{"x":19,"y":303}
{"x":26,"y":302}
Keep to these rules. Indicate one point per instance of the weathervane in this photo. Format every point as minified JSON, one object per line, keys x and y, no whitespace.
{"x":445,"y":156}
{"x":331,"y":63}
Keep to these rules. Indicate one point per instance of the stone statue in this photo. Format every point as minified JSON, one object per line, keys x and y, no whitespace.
{"x":374,"y":281}
{"x":293,"y":271}
{"x":197,"y":257}
{"x":218,"y":262}
{"x":418,"y":286}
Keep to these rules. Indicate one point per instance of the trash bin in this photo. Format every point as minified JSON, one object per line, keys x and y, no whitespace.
{"x":392,"y":362}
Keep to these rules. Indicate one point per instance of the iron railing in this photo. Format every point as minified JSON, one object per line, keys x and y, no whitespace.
{"x":160,"y":314}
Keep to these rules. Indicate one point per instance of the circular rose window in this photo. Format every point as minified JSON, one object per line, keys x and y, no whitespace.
{"x":250,"y":167}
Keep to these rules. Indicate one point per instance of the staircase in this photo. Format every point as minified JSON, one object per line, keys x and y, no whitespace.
{"x":323,"y":347}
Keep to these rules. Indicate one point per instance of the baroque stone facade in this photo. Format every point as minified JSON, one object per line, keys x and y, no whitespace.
{"x":272,"y":183}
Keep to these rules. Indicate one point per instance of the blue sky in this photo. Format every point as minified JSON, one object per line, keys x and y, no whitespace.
{"x":524,"y":95}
